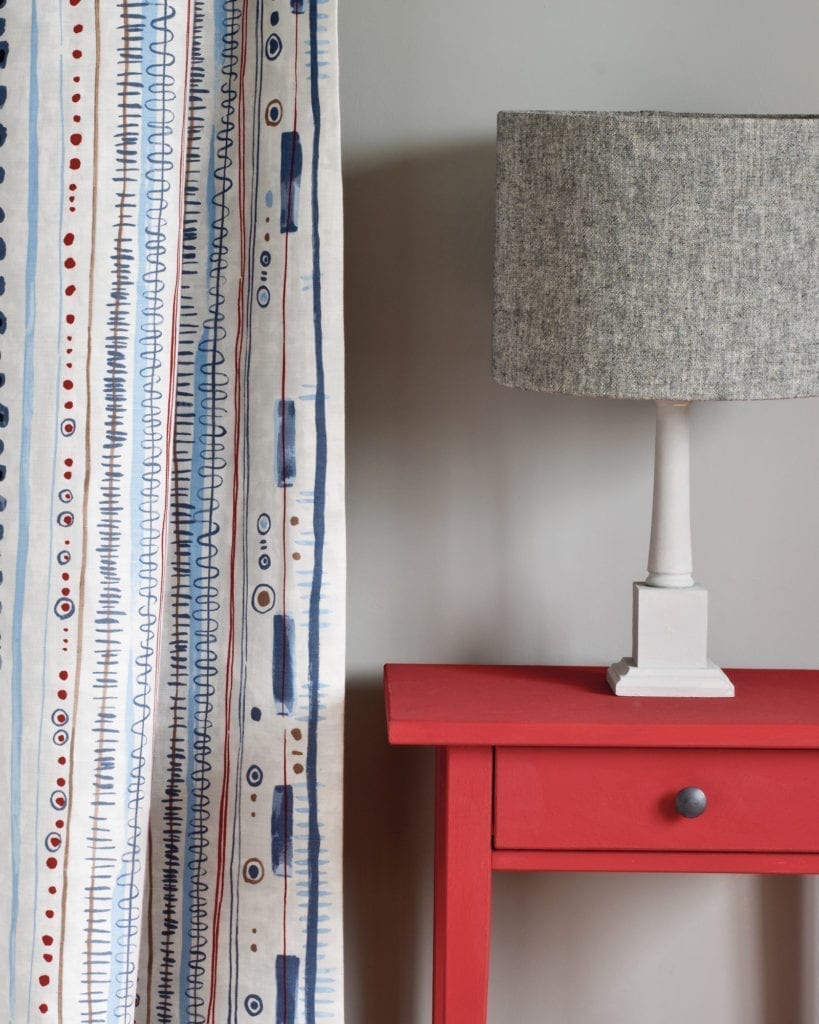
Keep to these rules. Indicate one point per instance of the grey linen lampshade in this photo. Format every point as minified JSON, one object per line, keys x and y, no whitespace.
{"x":657,"y":255}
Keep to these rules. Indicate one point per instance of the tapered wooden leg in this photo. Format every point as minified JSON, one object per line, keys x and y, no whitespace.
{"x":463,"y":884}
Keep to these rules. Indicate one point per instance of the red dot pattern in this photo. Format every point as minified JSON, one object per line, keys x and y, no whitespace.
{"x":74,"y":143}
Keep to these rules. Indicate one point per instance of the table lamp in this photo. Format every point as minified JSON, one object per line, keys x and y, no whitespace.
{"x":663,"y":256}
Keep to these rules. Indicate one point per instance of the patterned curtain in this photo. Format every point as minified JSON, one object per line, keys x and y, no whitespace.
{"x":171,"y":600}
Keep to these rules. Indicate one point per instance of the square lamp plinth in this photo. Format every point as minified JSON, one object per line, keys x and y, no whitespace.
{"x":669,"y":647}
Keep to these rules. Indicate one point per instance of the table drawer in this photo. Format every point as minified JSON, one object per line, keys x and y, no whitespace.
{"x":624,"y":799}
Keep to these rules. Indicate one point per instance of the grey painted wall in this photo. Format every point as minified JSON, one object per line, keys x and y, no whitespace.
{"x":487,"y":524}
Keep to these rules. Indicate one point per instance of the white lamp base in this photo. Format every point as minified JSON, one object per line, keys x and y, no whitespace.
{"x":669,"y":647}
{"x":628,"y":680}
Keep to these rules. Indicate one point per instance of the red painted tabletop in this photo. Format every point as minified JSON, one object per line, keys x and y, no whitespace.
{"x":519,"y":705}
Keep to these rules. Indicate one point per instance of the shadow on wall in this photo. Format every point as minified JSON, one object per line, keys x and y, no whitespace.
{"x":418,"y":238}
{"x":387,"y":867}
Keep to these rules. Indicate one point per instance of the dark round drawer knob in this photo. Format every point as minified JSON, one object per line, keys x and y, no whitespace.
{"x":691,"y":802}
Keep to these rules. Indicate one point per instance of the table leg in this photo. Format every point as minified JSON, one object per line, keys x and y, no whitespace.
{"x":463,"y":884}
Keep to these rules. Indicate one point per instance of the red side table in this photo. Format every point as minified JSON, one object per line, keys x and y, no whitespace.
{"x":544,"y":769}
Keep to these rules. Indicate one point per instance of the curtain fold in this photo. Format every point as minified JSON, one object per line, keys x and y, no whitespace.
{"x":171,"y":504}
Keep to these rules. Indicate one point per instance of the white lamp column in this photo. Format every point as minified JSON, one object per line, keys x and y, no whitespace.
{"x":669,"y":553}
{"x":670,"y":618}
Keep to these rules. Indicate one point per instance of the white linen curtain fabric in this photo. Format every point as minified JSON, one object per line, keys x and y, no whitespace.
{"x":171,"y":503}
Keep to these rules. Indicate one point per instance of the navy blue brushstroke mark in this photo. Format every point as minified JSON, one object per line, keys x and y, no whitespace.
{"x":274,"y":18}
{"x":297,"y":6}
{"x":283,"y":628}
{"x":285,"y":442}
{"x":287,"y":980}
{"x":16,"y":684}
{"x":256,"y":714}
{"x":281,"y":830}
{"x":4,"y":415}
{"x":319,"y":498}
{"x":4,"y":55}
{"x":3,"y":95}
{"x":290,"y":181}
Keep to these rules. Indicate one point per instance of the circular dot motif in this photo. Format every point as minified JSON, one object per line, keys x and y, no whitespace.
{"x":53,"y":841}
{"x":272,"y":46}
{"x":60,"y":717}
{"x":65,"y":519}
{"x":253,"y":871}
{"x":67,"y":427}
{"x":63,"y":557}
{"x":59,"y":801}
{"x":263,"y":523}
{"x":264,"y":258}
{"x":264,"y":561}
{"x":65,"y":495}
{"x":263,"y":296}
{"x":254,"y":1005}
{"x":273,"y":113}
{"x":254,"y":775}
{"x":60,"y":737}
{"x":64,"y":608}
{"x":256,"y":714}
{"x":264,"y":597}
